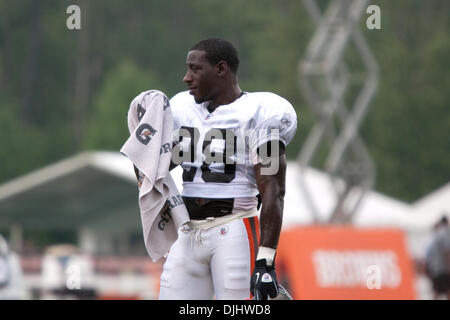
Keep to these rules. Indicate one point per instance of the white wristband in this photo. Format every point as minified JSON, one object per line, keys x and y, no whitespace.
{"x":266,"y":253}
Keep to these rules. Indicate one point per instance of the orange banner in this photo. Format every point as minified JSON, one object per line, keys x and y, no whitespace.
{"x":327,"y":262}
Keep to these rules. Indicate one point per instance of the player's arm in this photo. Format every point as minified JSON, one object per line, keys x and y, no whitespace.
{"x":272,"y":189}
{"x":136,"y":172}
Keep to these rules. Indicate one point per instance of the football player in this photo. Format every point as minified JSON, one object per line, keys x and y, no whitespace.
{"x":231,"y":146}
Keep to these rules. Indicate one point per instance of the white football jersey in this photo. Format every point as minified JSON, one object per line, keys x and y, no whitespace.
{"x":218,"y":150}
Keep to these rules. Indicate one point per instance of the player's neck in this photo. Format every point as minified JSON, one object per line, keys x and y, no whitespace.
{"x":226,"y":97}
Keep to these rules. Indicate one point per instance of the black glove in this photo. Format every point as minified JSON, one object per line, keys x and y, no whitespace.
{"x":264,"y":281}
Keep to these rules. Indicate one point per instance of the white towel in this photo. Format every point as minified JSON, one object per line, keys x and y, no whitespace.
{"x":149,"y":147}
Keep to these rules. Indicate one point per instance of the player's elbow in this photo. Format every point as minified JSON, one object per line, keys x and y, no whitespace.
{"x":276,"y":191}
{"x":280,"y":194}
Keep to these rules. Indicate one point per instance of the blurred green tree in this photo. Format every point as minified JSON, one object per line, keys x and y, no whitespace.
{"x":107,"y":126}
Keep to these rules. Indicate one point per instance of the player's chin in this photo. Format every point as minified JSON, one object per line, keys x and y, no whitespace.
{"x":198,"y":99}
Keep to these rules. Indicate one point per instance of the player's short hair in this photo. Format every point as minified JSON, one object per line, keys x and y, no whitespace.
{"x":219,"y":50}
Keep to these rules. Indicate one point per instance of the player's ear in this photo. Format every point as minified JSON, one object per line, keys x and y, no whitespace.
{"x":222,"y":68}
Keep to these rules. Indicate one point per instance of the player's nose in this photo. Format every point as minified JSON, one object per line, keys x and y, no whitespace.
{"x":187,"y":77}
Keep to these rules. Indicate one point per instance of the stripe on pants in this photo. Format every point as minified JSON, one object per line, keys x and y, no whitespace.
{"x":252,"y":227}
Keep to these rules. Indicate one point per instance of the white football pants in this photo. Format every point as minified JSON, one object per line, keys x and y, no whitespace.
{"x":211,"y":261}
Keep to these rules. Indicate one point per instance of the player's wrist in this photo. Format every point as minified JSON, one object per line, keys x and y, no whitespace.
{"x":266,"y":253}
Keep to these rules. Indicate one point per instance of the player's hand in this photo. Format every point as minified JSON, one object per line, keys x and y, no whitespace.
{"x":264,"y":281}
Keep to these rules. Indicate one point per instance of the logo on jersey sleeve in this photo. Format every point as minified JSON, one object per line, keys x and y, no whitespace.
{"x":285,"y":122}
{"x":288,"y":127}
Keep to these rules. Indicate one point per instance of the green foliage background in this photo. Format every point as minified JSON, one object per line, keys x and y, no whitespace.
{"x":63,"y":91}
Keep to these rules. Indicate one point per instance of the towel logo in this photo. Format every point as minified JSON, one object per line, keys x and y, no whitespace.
{"x":165,"y":218}
{"x":166,"y":103}
{"x":140,"y":112}
{"x":144,"y":133}
{"x":165,"y":215}
{"x":165,"y":148}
